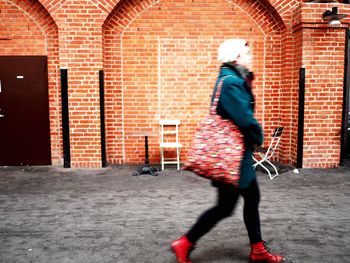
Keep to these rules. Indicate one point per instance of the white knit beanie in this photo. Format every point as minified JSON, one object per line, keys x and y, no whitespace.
{"x":230,"y":49}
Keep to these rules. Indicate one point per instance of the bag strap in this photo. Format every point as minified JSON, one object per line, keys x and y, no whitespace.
{"x":217,"y":96}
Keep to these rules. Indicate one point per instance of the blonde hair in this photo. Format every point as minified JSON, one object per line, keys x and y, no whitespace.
{"x":230,"y":49}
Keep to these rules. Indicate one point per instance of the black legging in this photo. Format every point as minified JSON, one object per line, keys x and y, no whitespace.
{"x":227,"y":200}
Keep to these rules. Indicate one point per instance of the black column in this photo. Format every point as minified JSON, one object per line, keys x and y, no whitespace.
{"x":65,"y":118}
{"x":301,"y":118}
{"x":344,"y":151}
{"x":102,"y":117}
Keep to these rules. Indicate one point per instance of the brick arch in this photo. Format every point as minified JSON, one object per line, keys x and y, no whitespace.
{"x":43,"y":20}
{"x":279,"y":9}
{"x":283,"y":7}
{"x":50,"y":5}
{"x":129,"y":10}
{"x":38,"y":13}
{"x":262,"y":12}
{"x":125,"y":20}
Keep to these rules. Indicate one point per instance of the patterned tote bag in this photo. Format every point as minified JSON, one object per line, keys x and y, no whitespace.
{"x":217,"y":148}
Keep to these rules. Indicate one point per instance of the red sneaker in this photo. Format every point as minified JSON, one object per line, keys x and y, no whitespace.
{"x":260,"y":253}
{"x":182,"y":248}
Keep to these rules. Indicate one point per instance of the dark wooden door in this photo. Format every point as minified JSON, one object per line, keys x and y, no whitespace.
{"x":24,"y":114}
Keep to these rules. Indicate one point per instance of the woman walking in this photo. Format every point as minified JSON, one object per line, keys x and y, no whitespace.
{"x":236,"y":103}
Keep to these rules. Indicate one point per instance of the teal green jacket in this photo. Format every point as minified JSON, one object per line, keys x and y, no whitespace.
{"x":236,"y":103}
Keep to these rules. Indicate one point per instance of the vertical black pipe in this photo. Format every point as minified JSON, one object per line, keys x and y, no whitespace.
{"x":65,"y":118}
{"x":301,"y":118}
{"x":345,"y":115}
{"x":102,"y":117}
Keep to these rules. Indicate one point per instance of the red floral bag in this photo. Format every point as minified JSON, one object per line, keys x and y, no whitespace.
{"x":218,"y":147}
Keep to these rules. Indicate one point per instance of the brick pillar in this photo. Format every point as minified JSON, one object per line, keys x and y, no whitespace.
{"x":80,"y":47}
{"x":321,"y":52}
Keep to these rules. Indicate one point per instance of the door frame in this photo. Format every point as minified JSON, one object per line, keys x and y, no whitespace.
{"x":45,"y":82}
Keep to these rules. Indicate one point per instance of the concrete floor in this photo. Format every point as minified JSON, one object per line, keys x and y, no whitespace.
{"x":52,"y":214}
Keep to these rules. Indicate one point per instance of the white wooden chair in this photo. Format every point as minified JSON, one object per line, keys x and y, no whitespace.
{"x":169,"y":139}
{"x":265,"y":154}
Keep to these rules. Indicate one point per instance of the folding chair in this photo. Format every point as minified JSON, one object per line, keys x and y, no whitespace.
{"x":265,"y":154}
{"x":169,"y":138}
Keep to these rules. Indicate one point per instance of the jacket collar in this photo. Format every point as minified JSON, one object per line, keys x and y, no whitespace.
{"x":238,"y":70}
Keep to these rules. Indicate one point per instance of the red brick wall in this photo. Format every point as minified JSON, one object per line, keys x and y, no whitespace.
{"x":24,"y":36}
{"x":165,"y":67}
{"x":26,"y":28}
{"x":159,"y":58}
